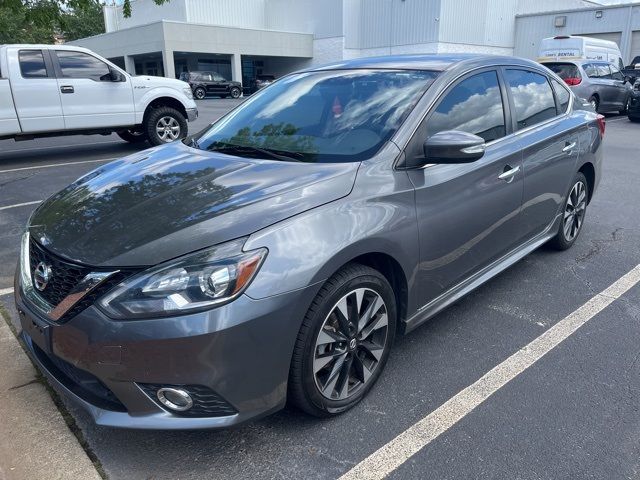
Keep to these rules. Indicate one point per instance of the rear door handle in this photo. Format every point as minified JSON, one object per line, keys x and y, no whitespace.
{"x":66,"y":89}
{"x":508,"y":173}
{"x":568,"y":147}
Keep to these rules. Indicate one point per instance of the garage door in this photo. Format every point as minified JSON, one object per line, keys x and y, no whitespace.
{"x":612,"y":36}
{"x":635,"y":45}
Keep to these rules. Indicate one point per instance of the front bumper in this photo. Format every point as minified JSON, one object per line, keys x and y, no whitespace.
{"x":192,"y":114}
{"x":240,"y":351}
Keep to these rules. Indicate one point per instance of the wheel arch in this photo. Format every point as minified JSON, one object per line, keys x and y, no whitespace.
{"x":589,"y":172}
{"x":165,"y":101}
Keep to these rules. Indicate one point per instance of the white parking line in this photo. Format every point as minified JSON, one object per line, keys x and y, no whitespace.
{"x":5,"y":291}
{"x":81,"y":145}
{"x":20,"y":205}
{"x":51,"y":165}
{"x":390,"y":456}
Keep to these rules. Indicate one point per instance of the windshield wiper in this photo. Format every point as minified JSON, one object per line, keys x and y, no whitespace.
{"x":239,"y":149}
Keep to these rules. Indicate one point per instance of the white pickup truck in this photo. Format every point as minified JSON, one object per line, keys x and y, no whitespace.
{"x":50,"y":90}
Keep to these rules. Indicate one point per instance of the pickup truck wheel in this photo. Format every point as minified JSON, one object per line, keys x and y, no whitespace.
{"x":165,"y":125}
{"x":132,"y":136}
{"x":235,"y":92}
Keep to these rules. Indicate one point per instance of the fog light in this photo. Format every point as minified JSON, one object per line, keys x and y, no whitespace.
{"x":175,"y":399}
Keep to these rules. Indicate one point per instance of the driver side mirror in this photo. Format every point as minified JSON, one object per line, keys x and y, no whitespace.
{"x":116,"y":76}
{"x":453,"y":146}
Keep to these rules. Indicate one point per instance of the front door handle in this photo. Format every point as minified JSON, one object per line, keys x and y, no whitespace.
{"x":66,"y":89}
{"x":568,"y":147}
{"x":508,"y":173}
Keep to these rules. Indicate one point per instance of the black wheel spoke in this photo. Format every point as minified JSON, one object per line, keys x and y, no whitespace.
{"x":350,"y":344}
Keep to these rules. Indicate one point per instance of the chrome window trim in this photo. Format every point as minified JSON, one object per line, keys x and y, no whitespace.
{"x":510,"y":136}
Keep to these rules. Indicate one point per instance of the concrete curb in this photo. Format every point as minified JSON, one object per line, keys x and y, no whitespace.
{"x":35,"y":441}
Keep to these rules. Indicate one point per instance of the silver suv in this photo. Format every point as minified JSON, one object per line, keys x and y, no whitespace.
{"x":602,"y":84}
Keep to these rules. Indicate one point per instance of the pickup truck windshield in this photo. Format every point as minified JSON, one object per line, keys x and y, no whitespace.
{"x":330,"y":116}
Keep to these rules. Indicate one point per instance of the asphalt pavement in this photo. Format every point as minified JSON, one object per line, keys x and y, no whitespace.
{"x":572,"y":413}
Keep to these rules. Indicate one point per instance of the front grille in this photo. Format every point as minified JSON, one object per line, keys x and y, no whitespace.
{"x":80,"y":382}
{"x":206,"y":402}
{"x":66,"y":275}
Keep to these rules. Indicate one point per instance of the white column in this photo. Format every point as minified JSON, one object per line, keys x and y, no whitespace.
{"x":169,"y":66}
{"x":130,"y":64}
{"x":236,"y":67}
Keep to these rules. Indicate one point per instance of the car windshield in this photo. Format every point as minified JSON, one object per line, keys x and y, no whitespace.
{"x":564,"y":70}
{"x":326,"y":116}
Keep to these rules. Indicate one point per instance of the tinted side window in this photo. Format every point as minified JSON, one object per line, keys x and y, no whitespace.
{"x":474,"y":105}
{"x":532,"y":97}
{"x":81,"y":65}
{"x":217,"y":78}
{"x":603,"y":71}
{"x":616,"y":74}
{"x":590,"y":70}
{"x":562,"y":96}
{"x":32,"y":64}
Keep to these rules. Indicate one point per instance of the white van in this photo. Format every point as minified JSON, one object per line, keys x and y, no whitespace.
{"x":571,"y":47}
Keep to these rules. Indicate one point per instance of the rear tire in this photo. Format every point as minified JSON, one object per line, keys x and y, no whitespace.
{"x":626,"y":107}
{"x":595,"y":102}
{"x":165,"y":125}
{"x":132,"y":136}
{"x":199,"y":93}
{"x":575,"y":209}
{"x":338,"y":358}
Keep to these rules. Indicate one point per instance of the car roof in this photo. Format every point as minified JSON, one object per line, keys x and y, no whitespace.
{"x":435,"y":62}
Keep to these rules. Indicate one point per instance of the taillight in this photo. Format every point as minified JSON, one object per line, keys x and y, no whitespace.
{"x":601,"y":124}
{"x":572,"y":81}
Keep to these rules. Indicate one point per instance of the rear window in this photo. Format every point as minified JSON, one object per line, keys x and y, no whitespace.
{"x":32,"y":64}
{"x":564,"y":70}
{"x":533,"y":97}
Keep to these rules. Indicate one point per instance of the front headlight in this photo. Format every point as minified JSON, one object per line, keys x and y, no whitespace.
{"x":187,"y":91}
{"x":192,"y":283}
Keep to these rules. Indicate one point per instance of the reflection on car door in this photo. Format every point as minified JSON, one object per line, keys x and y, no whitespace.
{"x":621,"y":87}
{"x":220,"y":84}
{"x":89,"y":98}
{"x":467,"y":216}
{"x":35,"y":92}
{"x":550,"y":145}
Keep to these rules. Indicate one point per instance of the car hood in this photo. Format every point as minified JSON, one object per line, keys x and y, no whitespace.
{"x":149,"y":81}
{"x":171,"y":200}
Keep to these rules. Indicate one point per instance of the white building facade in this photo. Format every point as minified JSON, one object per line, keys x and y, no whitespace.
{"x":244,"y":38}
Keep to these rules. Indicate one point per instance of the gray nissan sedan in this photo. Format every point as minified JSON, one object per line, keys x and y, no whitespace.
{"x":273,"y":257}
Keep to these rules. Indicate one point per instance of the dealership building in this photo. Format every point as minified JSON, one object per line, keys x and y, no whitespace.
{"x":244,"y":38}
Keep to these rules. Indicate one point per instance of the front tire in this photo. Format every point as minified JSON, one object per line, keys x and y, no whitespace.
{"x":626,"y":107}
{"x":344,"y":342}
{"x":575,"y":209}
{"x":132,"y":136}
{"x":165,"y":125}
{"x":595,"y":102}
{"x":235,"y":92}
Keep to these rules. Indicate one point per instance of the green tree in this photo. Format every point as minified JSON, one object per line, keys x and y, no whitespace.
{"x":42,"y":21}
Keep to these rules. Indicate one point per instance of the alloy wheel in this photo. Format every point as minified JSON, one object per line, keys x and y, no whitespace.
{"x":200,"y":93}
{"x":168,"y":129}
{"x":574,"y":211}
{"x":350,"y":344}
